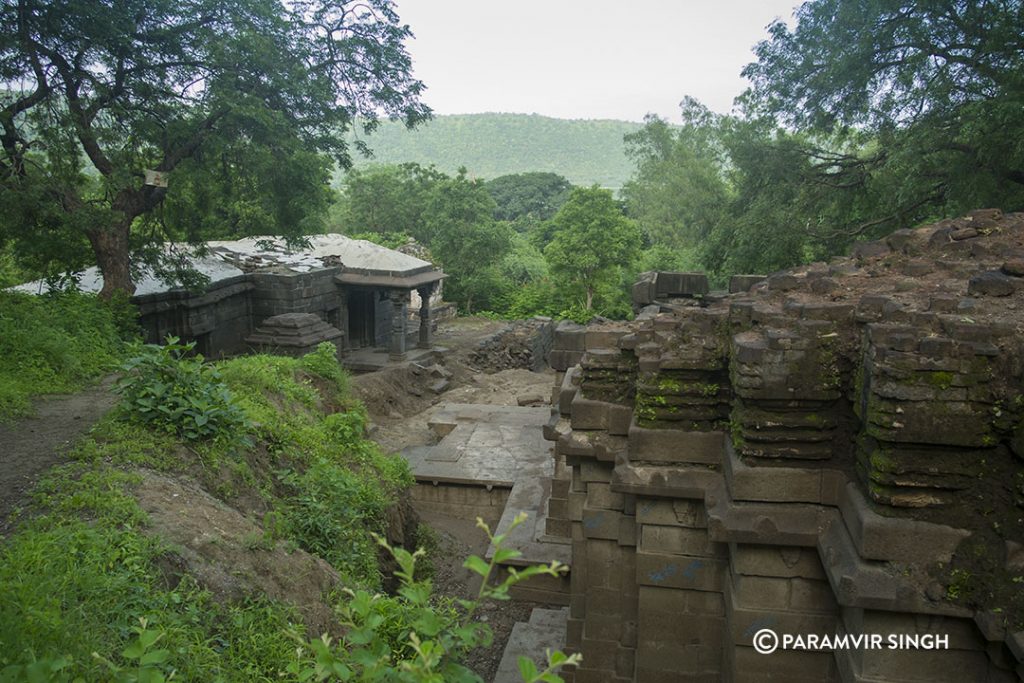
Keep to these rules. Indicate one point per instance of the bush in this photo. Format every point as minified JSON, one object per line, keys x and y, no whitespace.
{"x":57,"y":343}
{"x":166,"y":389}
{"x":414,"y":638}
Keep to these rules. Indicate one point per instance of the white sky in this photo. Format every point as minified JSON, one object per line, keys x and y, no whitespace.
{"x":594,"y":59}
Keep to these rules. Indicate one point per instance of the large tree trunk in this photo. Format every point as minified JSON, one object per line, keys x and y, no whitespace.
{"x":590,"y":298}
{"x":112,"y":256}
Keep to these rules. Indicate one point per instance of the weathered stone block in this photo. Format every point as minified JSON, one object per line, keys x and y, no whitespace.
{"x":600,"y":495}
{"x":674,"y":445}
{"x":595,"y":471}
{"x":743,"y":283}
{"x":760,"y":592}
{"x":687,"y":513}
{"x":991,"y":283}
{"x":678,"y":571}
{"x":588,"y":414}
{"x":676,"y":540}
{"x":681,"y":284}
{"x":810,"y":595}
{"x":778,"y":561}
{"x":601,"y":523}
{"x":786,"y":666}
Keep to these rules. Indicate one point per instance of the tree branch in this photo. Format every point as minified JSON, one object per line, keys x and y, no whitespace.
{"x":936,"y":194}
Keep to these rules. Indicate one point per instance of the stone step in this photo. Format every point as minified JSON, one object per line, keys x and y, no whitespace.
{"x":530,"y":495}
{"x":544,"y":631}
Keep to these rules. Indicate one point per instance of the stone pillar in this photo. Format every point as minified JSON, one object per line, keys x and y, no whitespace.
{"x":399,"y":303}
{"x":425,"y":340}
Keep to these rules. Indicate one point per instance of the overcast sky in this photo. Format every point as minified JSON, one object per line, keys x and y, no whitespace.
{"x":593,"y":59}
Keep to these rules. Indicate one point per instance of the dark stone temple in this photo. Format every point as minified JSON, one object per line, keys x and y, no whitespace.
{"x":263,"y":296}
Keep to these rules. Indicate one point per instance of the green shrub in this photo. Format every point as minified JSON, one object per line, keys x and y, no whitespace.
{"x":329,"y":515}
{"x":170,"y":391}
{"x":57,"y":343}
{"x":412,"y":636}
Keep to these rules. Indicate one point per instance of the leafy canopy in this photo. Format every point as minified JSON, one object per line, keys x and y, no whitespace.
{"x":592,"y":240}
{"x":865,"y":117}
{"x":536,"y":195}
{"x":237,"y":95}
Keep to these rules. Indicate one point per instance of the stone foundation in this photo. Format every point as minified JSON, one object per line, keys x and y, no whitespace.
{"x":802,"y":465}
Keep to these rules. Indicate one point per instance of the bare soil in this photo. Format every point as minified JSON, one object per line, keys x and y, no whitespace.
{"x":31,"y":445}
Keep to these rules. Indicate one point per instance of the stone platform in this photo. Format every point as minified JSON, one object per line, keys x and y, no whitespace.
{"x":493,"y":457}
{"x":372,"y":360}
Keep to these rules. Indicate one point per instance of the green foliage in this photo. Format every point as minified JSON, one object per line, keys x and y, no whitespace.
{"x":323,"y":362}
{"x":535,"y":195}
{"x":387,"y":200}
{"x":338,"y":483}
{"x":493,"y":145}
{"x":665,"y":258}
{"x":145,"y":662}
{"x":329,"y":514}
{"x":679,"y":191}
{"x":391,"y":240}
{"x":904,"y":110}
{"x":70,"y":589}
{"x":592,"y":241}
{"x":863,"y":118}
{"x":413,"y":638}
{"x":56,"y":344}
{"x":240,"y":104}
{"x":164,"y":388}
{"x":466,"y":240}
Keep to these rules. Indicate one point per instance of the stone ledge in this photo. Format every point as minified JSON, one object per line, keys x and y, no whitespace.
{"x":893,"y":538}
{"x":870,"y":584}
{"x":674,"y":445}
{"x":778,"y":484}
{"x":795,"y":524}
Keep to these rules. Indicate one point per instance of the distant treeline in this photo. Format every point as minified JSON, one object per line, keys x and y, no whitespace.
{"x":492,"y":145}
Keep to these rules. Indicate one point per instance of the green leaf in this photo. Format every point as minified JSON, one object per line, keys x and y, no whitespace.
{"x":154,"y":657}
{"x":477,"y":565}
{"x":527,"y":669}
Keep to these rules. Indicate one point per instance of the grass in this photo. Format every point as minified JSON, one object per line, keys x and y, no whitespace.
{"x":81,"y":571}
{"x":75,"y":579}
{"x":56,"y":344}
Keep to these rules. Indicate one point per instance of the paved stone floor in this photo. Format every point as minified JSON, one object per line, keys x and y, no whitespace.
{"x":497,"y":446}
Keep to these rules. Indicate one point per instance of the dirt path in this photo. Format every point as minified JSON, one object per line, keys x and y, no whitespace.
{"x":30,"y":445}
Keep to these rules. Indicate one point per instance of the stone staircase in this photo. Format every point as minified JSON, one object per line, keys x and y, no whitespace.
{"x":544,"y":631}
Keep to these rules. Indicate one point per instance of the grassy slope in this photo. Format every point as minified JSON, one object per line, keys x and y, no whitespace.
{"x":491,"y":145}
{"x":56,"y":344}
{"x":77,"y":577}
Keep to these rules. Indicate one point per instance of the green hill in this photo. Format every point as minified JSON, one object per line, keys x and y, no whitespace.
{"x":491,"y":145}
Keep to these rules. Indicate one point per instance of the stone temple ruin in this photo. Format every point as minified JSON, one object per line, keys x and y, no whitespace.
{"x":834,"y":450}
{"x":263,"y":295}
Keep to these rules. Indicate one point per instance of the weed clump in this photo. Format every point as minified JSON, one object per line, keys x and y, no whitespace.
{"x":165,"y":388}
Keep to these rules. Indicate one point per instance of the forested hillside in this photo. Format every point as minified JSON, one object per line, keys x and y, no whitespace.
{"x":492,"y":145}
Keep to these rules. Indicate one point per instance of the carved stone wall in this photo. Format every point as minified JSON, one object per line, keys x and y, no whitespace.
{"x":832,"y":453}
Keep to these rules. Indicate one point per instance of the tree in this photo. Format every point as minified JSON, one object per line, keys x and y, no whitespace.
{"x":536,"y":195}
{"x":592,"y":240}
{"x":679,"y":192}
{"x":101,"y":92}
{"x":386,"y":198}
{"x":466,"y":239}
{"x":937,"y":86}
